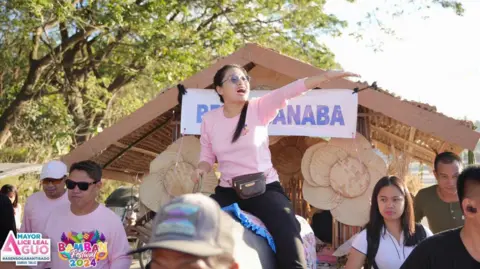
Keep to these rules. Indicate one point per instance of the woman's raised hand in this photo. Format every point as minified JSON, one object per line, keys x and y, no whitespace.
{"x":333,"y":74}
{"x":317,"y":81}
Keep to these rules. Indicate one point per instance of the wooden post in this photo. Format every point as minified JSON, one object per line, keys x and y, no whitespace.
{"x":408,"y":152}
{"x":341,"y":232}
{"x":176,"y":131}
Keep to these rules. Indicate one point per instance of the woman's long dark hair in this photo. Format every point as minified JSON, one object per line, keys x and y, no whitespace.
{"x":6,"y":189}
{"x":375,"y":225}
{"x":8,"y":218}
{"x":218,"y":82}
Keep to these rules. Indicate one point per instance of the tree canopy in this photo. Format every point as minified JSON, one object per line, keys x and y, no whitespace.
{"x":73,"y":67}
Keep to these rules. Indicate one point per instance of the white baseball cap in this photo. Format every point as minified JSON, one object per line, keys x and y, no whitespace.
{"x":53,"y":169}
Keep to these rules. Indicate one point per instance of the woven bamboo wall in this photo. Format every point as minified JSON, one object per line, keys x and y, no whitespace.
{"x":341,"y":233}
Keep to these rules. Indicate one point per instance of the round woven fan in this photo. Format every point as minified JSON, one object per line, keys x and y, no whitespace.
{"x":287,"y":154}
{"x":170,"y":174}
{"x":342,"y":175}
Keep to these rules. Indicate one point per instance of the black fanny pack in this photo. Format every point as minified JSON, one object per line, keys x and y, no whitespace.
{"x":251,"y":185}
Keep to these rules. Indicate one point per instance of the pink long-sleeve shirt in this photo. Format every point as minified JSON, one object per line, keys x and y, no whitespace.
{"x":37,"y":208}
{"x":250,"y":153}
{"x":96,"y":240}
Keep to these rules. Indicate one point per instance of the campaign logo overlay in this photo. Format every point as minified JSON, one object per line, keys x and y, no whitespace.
{"x":26,"y":249}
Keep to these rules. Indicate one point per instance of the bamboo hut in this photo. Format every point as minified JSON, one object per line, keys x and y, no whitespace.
{"x":404,"y":130}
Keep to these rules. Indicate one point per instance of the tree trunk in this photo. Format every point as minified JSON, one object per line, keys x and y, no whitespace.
{"x":4,"y":136}
{"x":25,"y":94}
{"x":74,"y":100}
{"x":86,"y":121}
{"x":35,"y":71}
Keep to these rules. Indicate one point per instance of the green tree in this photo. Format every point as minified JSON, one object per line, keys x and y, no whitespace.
{"x":87,"y":51}
{"x":66,"y":62}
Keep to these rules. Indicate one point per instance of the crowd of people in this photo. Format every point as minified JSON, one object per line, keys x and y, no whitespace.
{"x":394,"y":229}
{"x":188,"y":232}
{"x":83,"y":232}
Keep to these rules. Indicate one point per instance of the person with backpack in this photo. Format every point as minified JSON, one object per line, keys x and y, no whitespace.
{"x":391,"y":233}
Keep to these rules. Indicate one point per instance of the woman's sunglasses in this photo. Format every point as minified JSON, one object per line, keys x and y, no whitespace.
{"x":235,"y":79}
{"x":83,"y":186}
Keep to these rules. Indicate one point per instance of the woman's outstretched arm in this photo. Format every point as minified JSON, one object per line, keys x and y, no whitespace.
{"x":269,"y":104}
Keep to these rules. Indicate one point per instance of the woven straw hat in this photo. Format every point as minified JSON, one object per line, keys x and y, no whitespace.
{"x":307,"y":160}
{"x":340,"y":176}
{"x":170,"y":174}
{"x":287,"y":155}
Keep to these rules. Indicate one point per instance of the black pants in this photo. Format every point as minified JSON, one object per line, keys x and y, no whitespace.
{"x":275,"y":210}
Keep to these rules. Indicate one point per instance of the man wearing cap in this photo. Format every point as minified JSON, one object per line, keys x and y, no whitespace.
{"x":191,"y":231}
{"x":40,"y":204}
{"x":85,"y":233}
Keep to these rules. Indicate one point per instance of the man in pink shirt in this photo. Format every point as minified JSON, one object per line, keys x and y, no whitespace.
{"x":40,"y":204}
{"x":85,"y":233}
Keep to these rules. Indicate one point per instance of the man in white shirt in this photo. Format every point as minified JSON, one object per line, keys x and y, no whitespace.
{"x":40,"y":204}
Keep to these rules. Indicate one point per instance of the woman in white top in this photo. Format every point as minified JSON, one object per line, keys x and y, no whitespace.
{"x":391,"y":234}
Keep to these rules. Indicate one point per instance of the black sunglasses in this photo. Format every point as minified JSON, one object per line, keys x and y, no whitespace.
{"x":235,"y":79}
{"x":83,"y":186}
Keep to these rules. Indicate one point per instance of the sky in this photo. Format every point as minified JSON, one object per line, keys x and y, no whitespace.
{"x":434,"y":60}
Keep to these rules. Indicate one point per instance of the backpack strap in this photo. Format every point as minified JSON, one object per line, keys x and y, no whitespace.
{"x":372,"y":249}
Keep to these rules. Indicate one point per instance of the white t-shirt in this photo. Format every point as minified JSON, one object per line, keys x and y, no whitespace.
{"x":391,"y":253}
{"x":18,"y":216}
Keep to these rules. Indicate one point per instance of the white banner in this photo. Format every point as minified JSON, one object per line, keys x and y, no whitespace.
{"x":317,"y":113}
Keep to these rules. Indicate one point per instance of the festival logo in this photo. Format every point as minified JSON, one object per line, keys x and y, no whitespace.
{"x":83,"y":249}
{"x":26,"y":249}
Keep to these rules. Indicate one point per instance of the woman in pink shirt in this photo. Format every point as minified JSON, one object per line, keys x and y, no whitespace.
{"x":236,"y":136}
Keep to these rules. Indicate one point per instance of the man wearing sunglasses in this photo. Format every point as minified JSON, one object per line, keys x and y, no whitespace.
{"x":40,"y":204}
{"x":86,"y":233}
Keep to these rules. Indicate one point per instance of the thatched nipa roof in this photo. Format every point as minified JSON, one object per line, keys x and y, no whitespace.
{"x":127,"y":148}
